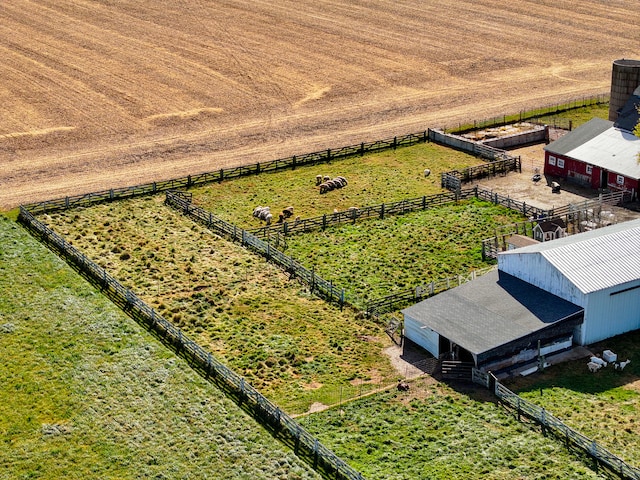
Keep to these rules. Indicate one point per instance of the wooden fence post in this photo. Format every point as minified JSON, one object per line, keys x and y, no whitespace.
{"x":382,"y":211}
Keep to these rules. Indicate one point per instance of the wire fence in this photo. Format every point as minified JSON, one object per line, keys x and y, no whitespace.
{"x":531,"y":115}
{"x":305,"y":445}
{"x":550,"y":423}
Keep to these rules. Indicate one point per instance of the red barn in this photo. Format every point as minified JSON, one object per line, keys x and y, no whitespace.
{"x":600,"y":154}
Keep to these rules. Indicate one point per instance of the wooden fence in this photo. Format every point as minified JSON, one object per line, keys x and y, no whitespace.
{"x":453,"y":180}
{"x":354,"y":214}
{"x":290,"y":163}
{"x":317,"y":284}
{"x":578,"y":217}
{"x":550,"y":423}
{"x":394,"y":301}
{"x":281,"y":425}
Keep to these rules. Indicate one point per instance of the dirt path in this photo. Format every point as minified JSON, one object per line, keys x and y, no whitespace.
{"x":99,"y":95}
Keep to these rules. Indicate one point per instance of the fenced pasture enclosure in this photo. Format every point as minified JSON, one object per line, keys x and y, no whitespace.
{"x":268,"y":414}
{"x":438,"y":432}
{"x":192,"y":294}
{"x":285,"y":341}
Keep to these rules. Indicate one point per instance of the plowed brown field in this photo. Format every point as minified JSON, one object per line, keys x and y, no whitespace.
{"x":99,"y":94}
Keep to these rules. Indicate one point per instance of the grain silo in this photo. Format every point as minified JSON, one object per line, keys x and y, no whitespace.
{"x":625,"y":78}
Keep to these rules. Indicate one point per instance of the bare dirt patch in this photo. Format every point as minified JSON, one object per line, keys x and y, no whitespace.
{"x":520,"y":186}
{"x":110,"y":81}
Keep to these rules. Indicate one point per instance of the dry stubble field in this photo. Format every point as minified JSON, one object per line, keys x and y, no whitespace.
{"x":99,"y":94}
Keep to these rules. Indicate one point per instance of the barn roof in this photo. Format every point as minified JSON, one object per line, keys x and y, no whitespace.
{"x":575,"y":138}
{"x":599,"y":143}
{"x":491,"y":311}
{"x":596,"y":259}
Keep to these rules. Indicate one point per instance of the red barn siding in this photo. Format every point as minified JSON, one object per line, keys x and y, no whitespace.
{"x":576,"y":171}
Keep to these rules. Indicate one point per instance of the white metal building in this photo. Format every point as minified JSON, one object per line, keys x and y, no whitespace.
{"x":543,"y":298}
{"x":597,"y":270}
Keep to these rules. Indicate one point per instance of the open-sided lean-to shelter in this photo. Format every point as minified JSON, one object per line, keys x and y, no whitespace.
{"x":543,"y":298}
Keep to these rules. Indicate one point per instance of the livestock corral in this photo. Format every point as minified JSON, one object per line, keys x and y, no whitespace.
{"x":269,"y":328}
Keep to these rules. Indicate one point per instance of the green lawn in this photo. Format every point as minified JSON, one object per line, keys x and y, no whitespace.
{"x":435,"y":432}
{"x":87,"y":394}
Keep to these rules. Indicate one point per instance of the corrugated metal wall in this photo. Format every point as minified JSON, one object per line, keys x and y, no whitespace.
{"x":536,"y":270}
{"x":425,"y":337}
{"x":608,"y":315}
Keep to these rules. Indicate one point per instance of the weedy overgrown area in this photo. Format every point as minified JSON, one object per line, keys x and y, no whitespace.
{"x":86,"y":393}
{"x":289,"y":344}
{"x":433,"y":431}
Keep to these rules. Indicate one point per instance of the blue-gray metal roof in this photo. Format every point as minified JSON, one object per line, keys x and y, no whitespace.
{"x":577,"y":137}
{"x":490,"y":311}
{"x":596,"y":259}
{"x":629,"y":116}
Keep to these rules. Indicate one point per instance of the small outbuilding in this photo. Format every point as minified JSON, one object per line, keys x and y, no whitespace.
{"x":549,"y":230}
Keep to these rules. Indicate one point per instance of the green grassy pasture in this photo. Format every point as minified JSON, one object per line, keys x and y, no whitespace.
{"x":289,"y":344}
{"x":580,"y":115}
{"x":433,"y":431}
{"x":373,"y":179}
{"x":87,"y":394}
{"x":374,"y":258}
{"x":603,"y":406}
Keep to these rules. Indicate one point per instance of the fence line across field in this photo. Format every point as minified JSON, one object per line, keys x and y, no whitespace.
{"x":549,"y":422}
{"x":533,"y":116}
{"x":281,"y":424}
{"x":313,"y":158}
{"x":181,"y":201}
